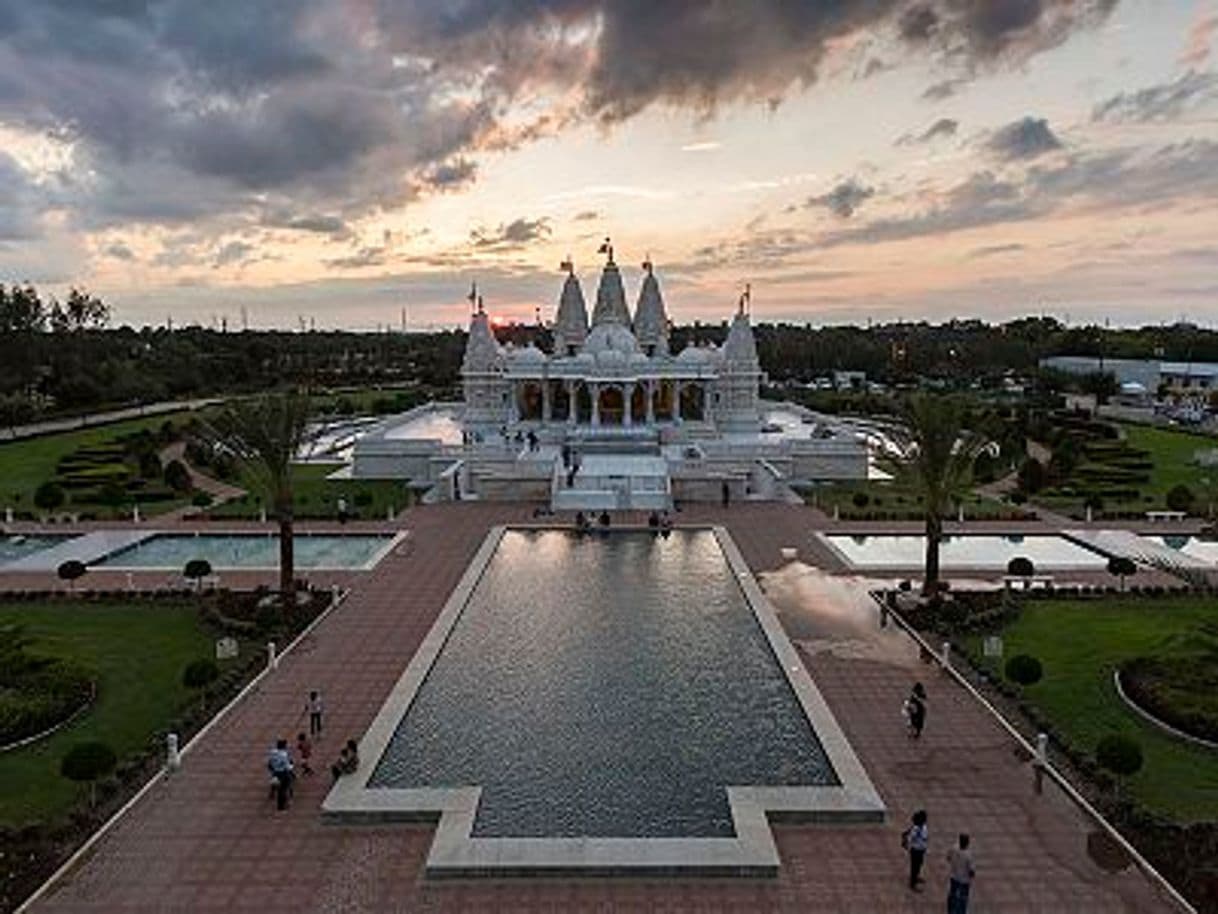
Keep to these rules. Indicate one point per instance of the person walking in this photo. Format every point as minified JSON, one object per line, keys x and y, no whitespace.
{"x":304,"y":750}
{"x":915,"y":840}
{"x":280,"y":765}
{"x":725,"y":492}
{"x":962,"y":871}
{"x":314,"y":708}
{"x":915,"y":710}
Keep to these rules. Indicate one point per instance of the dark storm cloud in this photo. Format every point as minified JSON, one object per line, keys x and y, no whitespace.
{"x":843,"y":199}
{"x":1026,"y":138}
{"x":1164,"y":102}
{"x":232,"y":110}
{"x":233,"y":252}
{"x":119,"y":251}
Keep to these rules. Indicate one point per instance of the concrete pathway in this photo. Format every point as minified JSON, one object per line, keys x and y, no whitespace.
{"x":208,"y":839}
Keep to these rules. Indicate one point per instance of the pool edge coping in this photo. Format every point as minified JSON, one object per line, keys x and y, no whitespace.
{"x":455,"y":852}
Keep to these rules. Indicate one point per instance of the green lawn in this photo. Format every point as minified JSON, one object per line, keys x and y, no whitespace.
{"x":24,"y":465}
{"x":1080,"y":643}
{"x":317,"y":496}
{"x":137,"y":653}
{"x":1172,"y":453}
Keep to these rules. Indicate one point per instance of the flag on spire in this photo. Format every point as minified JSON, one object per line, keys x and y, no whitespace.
{"x":607,"y":248}
{"x":473,"y":295}
{"x":568,"y":265}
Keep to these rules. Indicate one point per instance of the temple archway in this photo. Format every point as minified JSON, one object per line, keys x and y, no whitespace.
{"x":693,"y":402}
{"x":560,"y":401}
{"x":583,"y":403}
{"x":638,"y":402}
{"x":529,"y":401}
{"x":662,"y":400}
{"x":612,"y":406}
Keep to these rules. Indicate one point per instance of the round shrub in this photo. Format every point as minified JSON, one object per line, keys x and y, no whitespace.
{"x":86,"y":762}
{"x":1119,"y":754}
{"x":1121,"y":566}
{"x":49,"y":496}
{"x":71,"y":570}
{"x":202,"y":499}
{"x":1180,"y":498}
{"x":861,"y":499}
{"x":196,"y":570}
{"x":1024,"y":669}
{"x":1021,"y":566}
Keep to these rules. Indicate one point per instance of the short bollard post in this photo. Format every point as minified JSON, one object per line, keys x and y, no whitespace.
{"x":333,"y":594}
{"x":135,"y":514}
{"x":1041,"y":762}
{"x":173,"y":758}
{"x":262,"y":515}
{"x":389,"y":513}
{"x":130,"y":581}
{"x":8,"y":515}
{"x":945,"y":655}
{"x":272,"y":659}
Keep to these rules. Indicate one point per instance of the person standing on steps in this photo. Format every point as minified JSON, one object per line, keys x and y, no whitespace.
{"x":962,"y":871}
{"x":314,"y":708}
{"x":915,"y":840}
{"x":915,"y":710}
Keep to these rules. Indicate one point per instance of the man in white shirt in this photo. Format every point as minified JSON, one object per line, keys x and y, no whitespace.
{"x":960,"y":863}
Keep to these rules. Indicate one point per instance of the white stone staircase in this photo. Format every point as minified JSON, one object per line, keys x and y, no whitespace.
{"x":613,"y":482}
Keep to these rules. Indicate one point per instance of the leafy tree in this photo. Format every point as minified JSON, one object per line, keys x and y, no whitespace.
{"x":1024,"y":669}
{"x":50,"y":496}
{"x":266,"y":433}
{"x":1120,"y":566}
{"x":177,"y":477}
{"x":933,"y":454}
{"x":86,"y":762}
{"x":1031,"y":476}
{"x":71,"y":571}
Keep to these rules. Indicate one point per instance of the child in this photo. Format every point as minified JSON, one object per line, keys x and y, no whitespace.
{"x":313,"y":707}
{"x":304,"y":749}
{"x":348,"y":761}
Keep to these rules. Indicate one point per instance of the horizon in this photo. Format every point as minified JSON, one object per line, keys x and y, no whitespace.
{"x":337,"y":164}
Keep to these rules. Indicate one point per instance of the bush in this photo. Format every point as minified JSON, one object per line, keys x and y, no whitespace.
{"x":363,"y":499}
{"x":1119,"y":754}
{"x":49,"y":496}
{"x":196,"y":570}
{"x":1180,"y":498}
{"x":1120,"y":566}
{"x":177,"y":477}
{"x":202,"y":499}
{"x":1031,"y":476}
{"x":199,"y":674}
{"x":71,"y":571}
{"x":861,"y":499}
{"x":1021,"y":566}
{"x":86,"y":762}
{"x":1024,"y":669}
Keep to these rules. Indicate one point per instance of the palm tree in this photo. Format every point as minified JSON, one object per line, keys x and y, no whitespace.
{"x":932,"y":453}
{"x":266,"y":433}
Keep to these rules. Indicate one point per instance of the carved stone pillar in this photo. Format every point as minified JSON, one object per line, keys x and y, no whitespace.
{"x":595,"y":391}
{"x":651,"y":401}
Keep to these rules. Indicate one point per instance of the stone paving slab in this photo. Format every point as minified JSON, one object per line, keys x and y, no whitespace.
{"x":208,"y":839}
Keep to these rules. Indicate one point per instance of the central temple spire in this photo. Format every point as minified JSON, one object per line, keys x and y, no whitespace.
{"x":610,"y":305}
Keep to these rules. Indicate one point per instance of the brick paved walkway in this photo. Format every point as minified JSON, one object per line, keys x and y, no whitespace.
{"x":209,"y":840}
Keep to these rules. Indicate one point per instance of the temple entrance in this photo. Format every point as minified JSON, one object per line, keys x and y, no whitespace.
{"x":583,"y":403}
{"x":560,"y":401}
{"x":693,"y":402}
{"x":662,"y":401}
{"x":529,"y":401}
{"x":612,"y":406}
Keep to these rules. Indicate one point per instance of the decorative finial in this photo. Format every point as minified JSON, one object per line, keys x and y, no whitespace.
{"x":568,"y":265}
{"x":481,"y":310}
{"x":473,"y":295}
{"x":647,"y":263}
{"x":607,"y":249}
{"x":746,"y":298}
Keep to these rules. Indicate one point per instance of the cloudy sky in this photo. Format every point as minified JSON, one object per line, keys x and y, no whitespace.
{"x":343,"y":160}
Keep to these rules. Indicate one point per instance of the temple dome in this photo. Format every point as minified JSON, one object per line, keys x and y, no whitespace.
{"x":650,"y":321}
{"x":529,"y":353}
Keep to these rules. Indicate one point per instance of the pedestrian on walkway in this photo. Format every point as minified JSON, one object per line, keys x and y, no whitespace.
{"x":914,"y":840}
{"x":915,"y":710}
{"x":304,"y":749}
{"x":279,"y":763}
{"x":960,"y":864}
{"x":726,"y":493}
{"x":314,"y":708}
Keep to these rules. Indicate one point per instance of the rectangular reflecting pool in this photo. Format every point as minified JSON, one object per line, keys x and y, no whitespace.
{"x":172,"y":551}
{"x":621,"y":692}
{"x":969,"y":552}
{"x":1205,"y":550}
{"x":14,"y":547}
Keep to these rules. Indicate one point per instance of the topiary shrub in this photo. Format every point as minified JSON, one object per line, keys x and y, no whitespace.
{"x":1180,"y":498}
{"x":86,"y":762}
{"x":199,"y":674}
{"x":1021,"y":566}
{"x":861,"y":499}
{"x":71,"y":571}
{"x":1119,"y":754}
{"x":1024,"y":669}
{"x":1120,"y":566}
{"x":49,"y":496}
{"x":196,"y":570}
{"x":202,"y":499}
{"x":177,"y":477}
